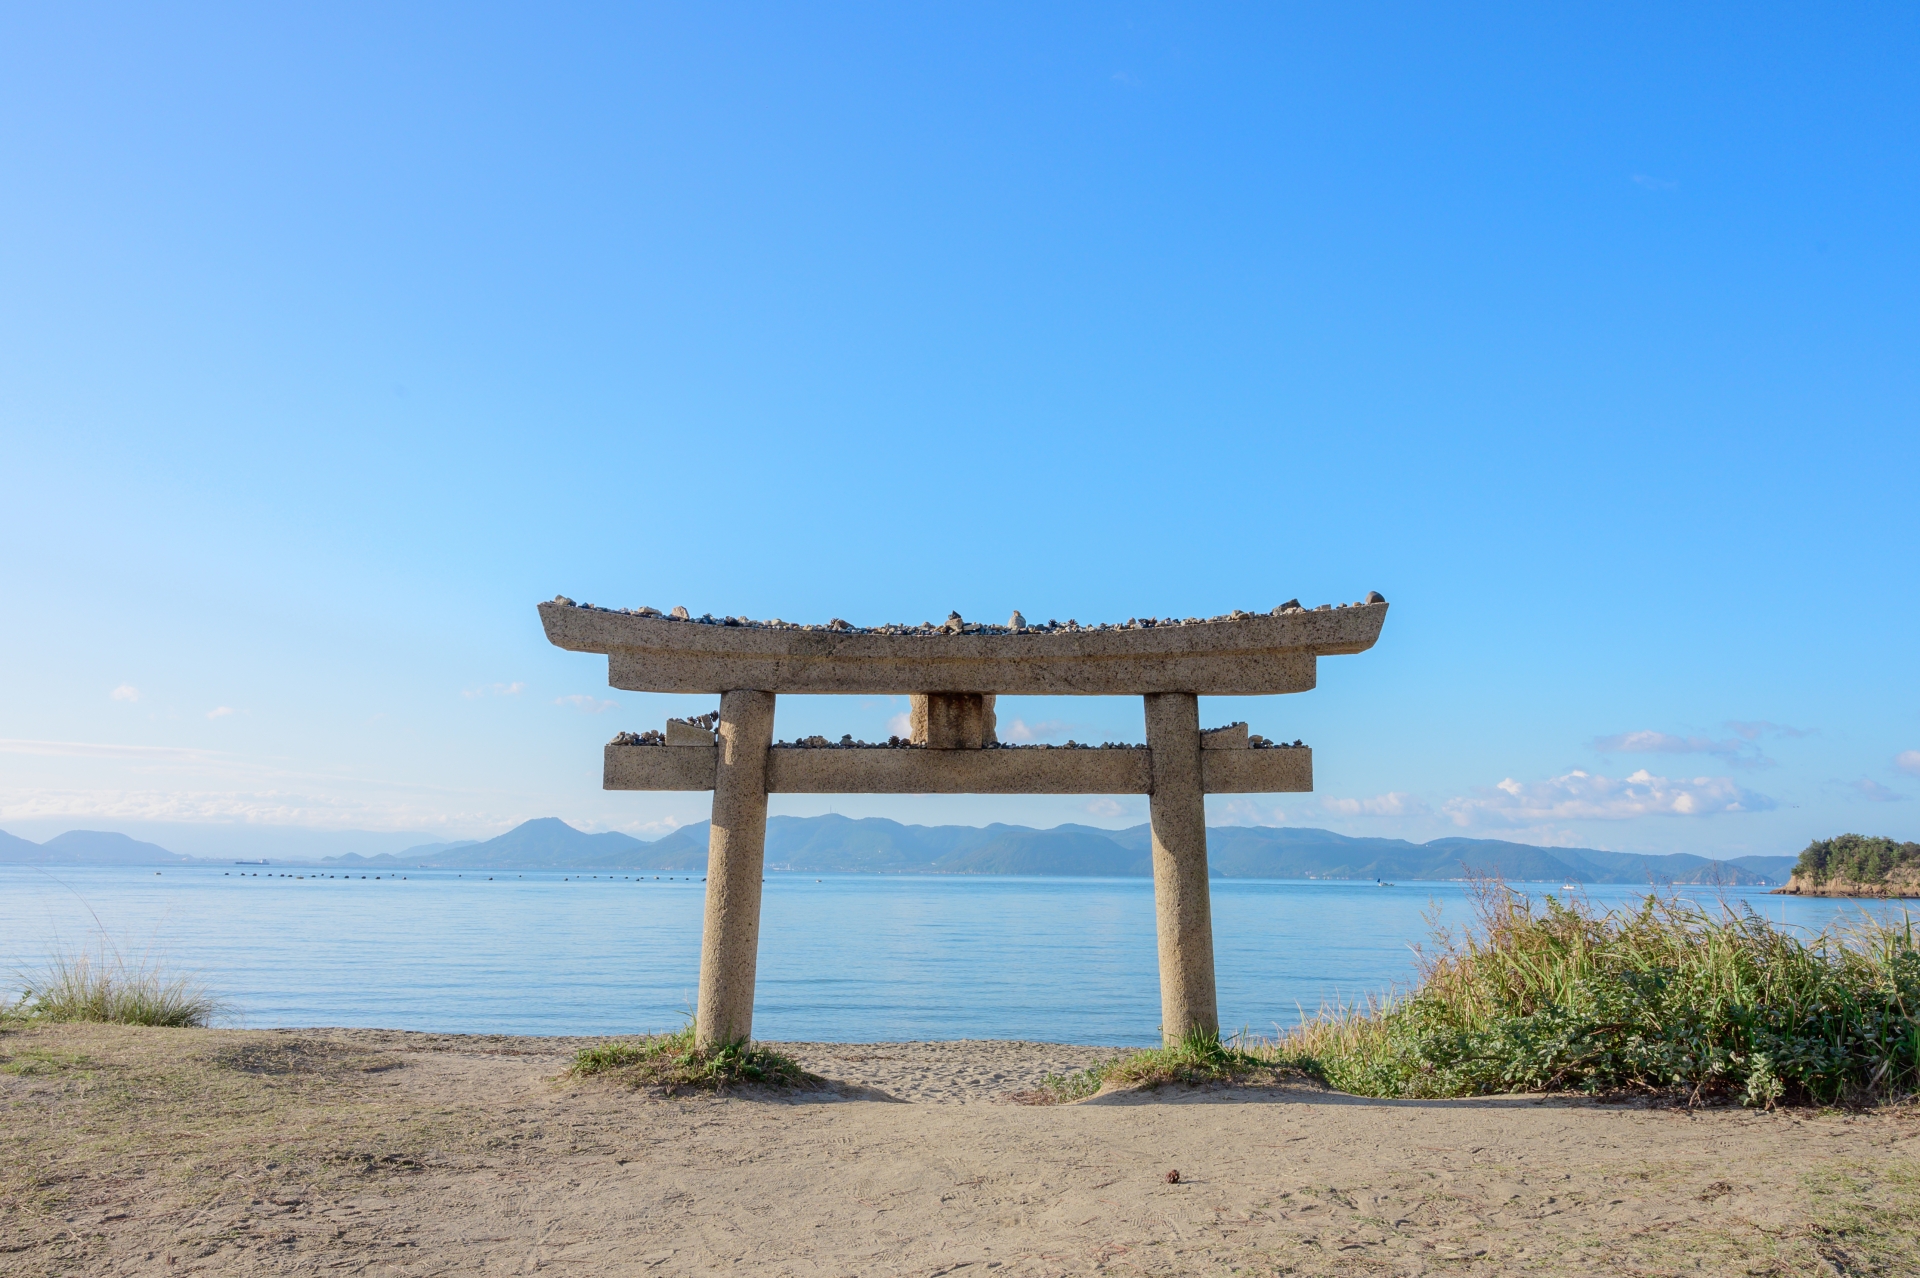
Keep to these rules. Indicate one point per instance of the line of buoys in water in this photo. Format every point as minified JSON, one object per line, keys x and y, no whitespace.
{"x":566,"y":878}
{"x":343,"y":877}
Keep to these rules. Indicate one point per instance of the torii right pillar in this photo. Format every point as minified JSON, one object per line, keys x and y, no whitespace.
{"x":1177,"y":814}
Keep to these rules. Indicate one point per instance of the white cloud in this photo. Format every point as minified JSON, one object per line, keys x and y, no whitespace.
{"x":585,"y":704}
{"x":901,"y":725}
{"x":217,"y":767}
{"x":126,"y":692}
{"x":1584,"y":796}
{"x":1742,"y":750}
{"x":220,"y":712}
{"x":1908,"y":761}
{"x":240,"y":807}
{"x":1244,"y":811}
{"x":639,"y":829}
{"x":1020,"y":732}
{"x":1395,"y":803}
{"x":81,"y":781}
{"x":1754,"y":729}
{"x":1877,"y":792}
{"x":1650,"y":742}
{"x":103,"y":750}
{"x":495,"y":690}
{"x":1108,"y":809}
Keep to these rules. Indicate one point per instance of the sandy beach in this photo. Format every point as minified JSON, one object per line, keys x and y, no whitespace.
{"x":131,"y":1151}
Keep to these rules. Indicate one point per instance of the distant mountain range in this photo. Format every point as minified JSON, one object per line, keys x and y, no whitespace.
{"x":85,"y":847}
{"x":876,"y":845}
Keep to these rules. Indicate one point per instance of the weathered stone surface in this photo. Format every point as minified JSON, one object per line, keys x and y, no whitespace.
{"x":879,"y":770}
{"x":883,"y":771}
{"x":953,"y":720}
{"x":658,"y":767}
{"x":1182,"y":907}
{"x":1288,"y":771}
{"x":1231,"y":737}
{"x":736,"y":861}
{"x":681,"y":733}
{"x":1250,"y":656}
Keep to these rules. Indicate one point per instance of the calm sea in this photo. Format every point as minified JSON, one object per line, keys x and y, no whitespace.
{"x":845,"y":957}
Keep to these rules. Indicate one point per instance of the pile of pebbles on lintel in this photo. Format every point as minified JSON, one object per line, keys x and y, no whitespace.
{"x":954,"y":625}
{"x":652,"y":736}
{"x":656,"y":738}
{"x":901,"y":743}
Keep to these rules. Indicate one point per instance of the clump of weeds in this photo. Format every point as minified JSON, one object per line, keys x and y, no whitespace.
{"x":672,"y":1062}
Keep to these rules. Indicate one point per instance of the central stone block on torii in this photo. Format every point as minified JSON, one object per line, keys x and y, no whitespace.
{"x":953,"y":672}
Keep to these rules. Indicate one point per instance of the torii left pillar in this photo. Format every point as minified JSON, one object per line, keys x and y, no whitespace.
{"x":736,"y":860}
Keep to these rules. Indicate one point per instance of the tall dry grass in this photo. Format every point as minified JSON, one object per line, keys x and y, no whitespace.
{"x":1667,"y":996}
{"x":106,"y":984}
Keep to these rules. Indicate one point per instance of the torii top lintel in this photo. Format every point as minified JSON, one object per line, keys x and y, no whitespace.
{"x":1243,"y":654}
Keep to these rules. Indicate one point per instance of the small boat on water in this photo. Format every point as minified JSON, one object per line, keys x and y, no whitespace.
{"x":1569,"y":887}
{"x":1381,"y":883}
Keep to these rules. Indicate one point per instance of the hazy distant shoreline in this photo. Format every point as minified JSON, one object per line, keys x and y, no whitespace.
{"x":837,"y":844}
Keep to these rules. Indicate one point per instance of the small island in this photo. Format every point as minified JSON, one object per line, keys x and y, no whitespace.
{"x":1856,"y":865}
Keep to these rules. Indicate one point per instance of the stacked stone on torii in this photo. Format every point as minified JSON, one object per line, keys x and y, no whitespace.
{"x":953,"y":672}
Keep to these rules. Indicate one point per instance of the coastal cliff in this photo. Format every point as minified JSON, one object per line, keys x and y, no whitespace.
{"x":1856,"y":865}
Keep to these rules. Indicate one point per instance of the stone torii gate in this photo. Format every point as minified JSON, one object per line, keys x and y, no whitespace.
{"x":953,"y":672}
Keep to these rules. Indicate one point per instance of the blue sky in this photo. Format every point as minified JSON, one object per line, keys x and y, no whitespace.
{"x":332,"y":338}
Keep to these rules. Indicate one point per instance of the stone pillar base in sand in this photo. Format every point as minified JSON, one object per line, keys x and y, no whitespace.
{"x":1183,"y":914}
{"x":736,"y":859}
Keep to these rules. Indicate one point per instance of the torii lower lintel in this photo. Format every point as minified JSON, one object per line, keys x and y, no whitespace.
{"x":837,"y":769}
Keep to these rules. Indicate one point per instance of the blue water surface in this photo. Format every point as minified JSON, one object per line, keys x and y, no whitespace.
{"x":848,"y":957}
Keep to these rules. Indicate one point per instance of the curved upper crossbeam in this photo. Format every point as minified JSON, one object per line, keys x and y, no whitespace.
{"x":1247,"y":654}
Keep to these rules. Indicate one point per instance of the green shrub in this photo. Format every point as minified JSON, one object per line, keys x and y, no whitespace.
{"x":1855,"y":858}
{"x":672,"y":1061}
{"x":1663,"y":997}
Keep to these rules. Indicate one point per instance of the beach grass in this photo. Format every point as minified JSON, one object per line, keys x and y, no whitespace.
{"x":106,"y":985}
{"x":1064,"y":1089}
{"x":1665,"y":997}
{"x":1198,"y":1058}
{"x":671,"y":1061}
